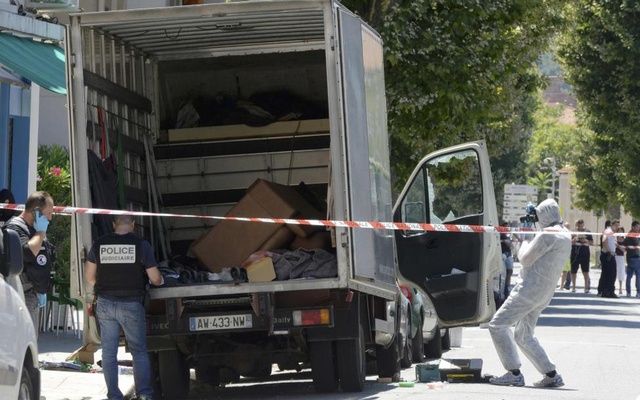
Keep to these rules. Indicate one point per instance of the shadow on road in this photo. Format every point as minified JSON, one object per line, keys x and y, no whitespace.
{"x":284,"y":385}
{"x":585,"y":309}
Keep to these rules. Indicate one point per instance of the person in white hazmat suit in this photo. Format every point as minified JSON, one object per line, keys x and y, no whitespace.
{"x":543,"y":260}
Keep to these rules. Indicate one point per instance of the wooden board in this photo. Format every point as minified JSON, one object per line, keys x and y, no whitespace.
{"x":283,"y":128}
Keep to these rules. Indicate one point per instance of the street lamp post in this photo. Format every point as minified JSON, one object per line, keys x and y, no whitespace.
{"x":552,"y":161}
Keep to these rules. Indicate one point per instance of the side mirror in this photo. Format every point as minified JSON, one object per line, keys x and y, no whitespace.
{"x":10,"y":253}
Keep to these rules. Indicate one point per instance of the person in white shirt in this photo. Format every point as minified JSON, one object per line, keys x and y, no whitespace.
{"x":607,"y":283}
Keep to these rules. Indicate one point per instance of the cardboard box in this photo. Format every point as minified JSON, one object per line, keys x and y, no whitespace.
{"x":319,"y":240}
{"x":261,"y":271}
{"x":84,"y":354}
{"x":279,"y":240}
{"x":277,"y":199}
{"x":230,"y":243}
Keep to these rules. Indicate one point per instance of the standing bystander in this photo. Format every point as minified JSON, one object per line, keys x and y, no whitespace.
{"x":118,"y":265}
{"x":6,"y":197}
{"x":38,"y":254}
{"x":566,"y":272}
{"x":633,"y":258}
{"x":607,"y":283}
{"x":620,"y":267}
{"x":506,"y":244}
{"x":581,"y":255}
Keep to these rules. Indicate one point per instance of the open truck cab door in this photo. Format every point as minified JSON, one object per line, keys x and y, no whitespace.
{"x":455,"y":270}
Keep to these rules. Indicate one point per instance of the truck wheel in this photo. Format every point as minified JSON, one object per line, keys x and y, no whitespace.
{"x":323,"y":369}
{"x":446,"y":340}
{"x":389,"y":362}
{"x":352,"y":363}
{"x":407,"y":352}
{"x":418,"y":345}
{"x":207,"y":373}
{"x":26,"y":391}
{"x":174,"y":374}
{"x":433,"y":348}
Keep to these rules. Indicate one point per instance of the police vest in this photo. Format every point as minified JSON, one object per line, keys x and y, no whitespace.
{"x":120,"y":271}
{"x":37,"y":273}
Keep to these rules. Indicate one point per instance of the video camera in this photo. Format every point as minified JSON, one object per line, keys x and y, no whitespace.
{"x":531,"y":216}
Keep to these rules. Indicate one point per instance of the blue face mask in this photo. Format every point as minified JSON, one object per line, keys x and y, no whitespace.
{"x":42,"y":299}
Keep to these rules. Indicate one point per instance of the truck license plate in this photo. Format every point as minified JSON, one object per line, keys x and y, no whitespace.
{"x":220,"y":322}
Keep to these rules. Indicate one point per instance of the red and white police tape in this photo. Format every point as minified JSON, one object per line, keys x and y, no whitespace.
{"x":402,"y":226}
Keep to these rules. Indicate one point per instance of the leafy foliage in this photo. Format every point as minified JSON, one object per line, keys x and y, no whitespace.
{"x":548,"y":65}
{"x":553,"y":138}
{"x":460,"y":70}
{"x":600,"y":53}
{"x":54,"y":177}
{"x":54,"y":173}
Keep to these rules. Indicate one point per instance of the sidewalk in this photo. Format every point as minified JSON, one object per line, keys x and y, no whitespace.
{"x":70,"y":384}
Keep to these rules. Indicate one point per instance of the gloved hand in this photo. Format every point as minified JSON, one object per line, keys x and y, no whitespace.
{"x":41,"y":223}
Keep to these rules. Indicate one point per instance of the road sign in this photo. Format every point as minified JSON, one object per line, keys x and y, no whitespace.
{"x":520,"y":189}
{"x":516,"y":199}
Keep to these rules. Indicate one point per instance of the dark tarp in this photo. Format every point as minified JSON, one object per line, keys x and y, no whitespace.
{"x":104,"y":193}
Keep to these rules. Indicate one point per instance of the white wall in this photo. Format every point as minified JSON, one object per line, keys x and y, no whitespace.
{"x":53,"y":125}
{"x":566,"y":194}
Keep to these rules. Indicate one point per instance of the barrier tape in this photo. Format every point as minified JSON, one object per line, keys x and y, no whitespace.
{"x":402,"y":226}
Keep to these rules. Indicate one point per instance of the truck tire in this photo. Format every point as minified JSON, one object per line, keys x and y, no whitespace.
{"x":418,"y":345}
{"x":323,"y":368}
{"x":407,"y":352}
{"x":207,"y":373}
{"x":433,"y":348}
{"x":446,"y":340}
{"x":388,"y":361}
{"x":174,"y":374}
{"x":352,"y":363}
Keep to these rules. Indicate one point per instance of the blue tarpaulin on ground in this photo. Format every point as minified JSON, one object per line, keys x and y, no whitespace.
{"x":41,"y":63}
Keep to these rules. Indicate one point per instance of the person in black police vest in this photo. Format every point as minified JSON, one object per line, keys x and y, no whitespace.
{"x":118,"y":266}
{"x":38,"y":254}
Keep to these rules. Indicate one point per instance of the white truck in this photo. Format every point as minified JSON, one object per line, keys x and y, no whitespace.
{"x":165,"y":90}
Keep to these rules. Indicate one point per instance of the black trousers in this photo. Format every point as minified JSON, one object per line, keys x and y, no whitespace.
{"x":607,"y":282}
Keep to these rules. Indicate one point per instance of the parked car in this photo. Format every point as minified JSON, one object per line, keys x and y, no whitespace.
{"x":19,"y":373}
{"x":426,"y":338}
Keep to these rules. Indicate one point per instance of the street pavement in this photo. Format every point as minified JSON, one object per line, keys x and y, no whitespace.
{"x":65,"y":384}
{"x":593,"y":341}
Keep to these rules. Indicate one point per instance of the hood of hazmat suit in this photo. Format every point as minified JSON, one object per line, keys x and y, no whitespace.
{"x":546,"y":255}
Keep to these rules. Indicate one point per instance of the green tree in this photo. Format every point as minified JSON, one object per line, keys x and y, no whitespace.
{"x":542,"y":180}
{"x":460,"y":70}
{"x":600,"y":53}
{"x":554,"y":138}
{"x":54,"y":177}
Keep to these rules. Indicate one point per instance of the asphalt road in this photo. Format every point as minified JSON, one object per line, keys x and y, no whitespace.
{"x":594,"y":342}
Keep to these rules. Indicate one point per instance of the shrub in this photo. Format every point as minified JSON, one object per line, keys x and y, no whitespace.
{"x":54,"y":177}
